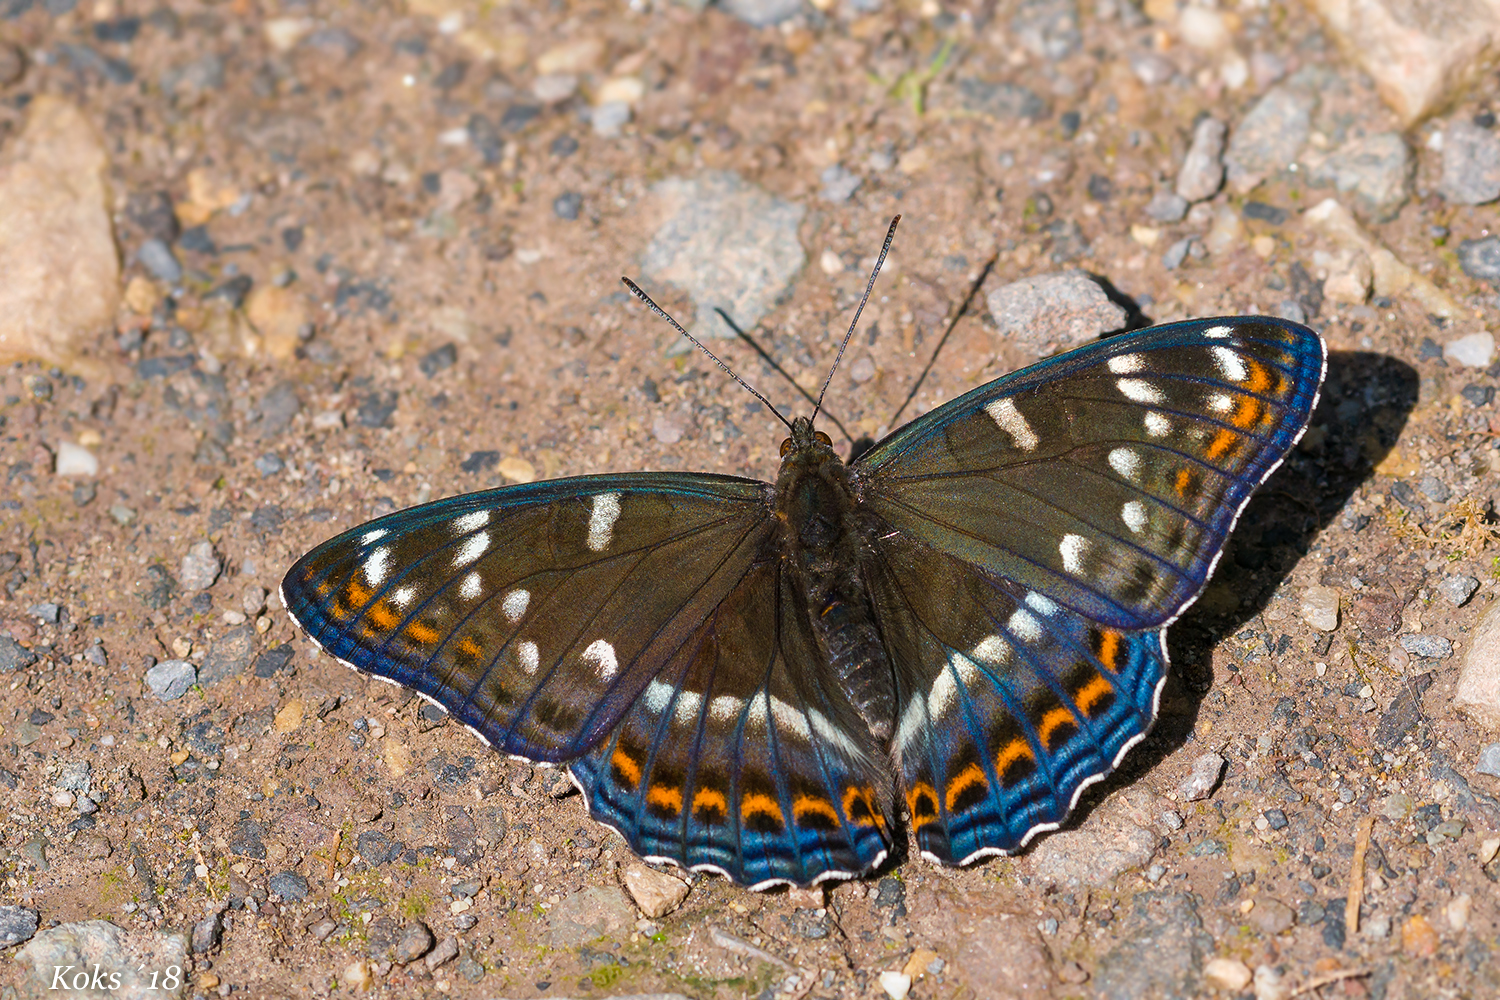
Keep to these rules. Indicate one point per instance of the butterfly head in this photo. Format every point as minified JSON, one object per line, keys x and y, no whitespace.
{"x":805,"y":439}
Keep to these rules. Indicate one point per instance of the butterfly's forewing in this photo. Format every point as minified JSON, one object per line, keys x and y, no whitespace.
{"x":1067,"y":513}
{"x":745,"y":756}
{"x":639,"y":622}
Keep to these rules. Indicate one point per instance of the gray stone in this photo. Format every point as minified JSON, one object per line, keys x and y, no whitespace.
{"x":155,"y":256}
{"x":13,"y":655}
{"x":446,"y":951}
{"x":1432,"y":647}
{"x":1167,"y":206}
{"x":47,"y":611}
{"x":1478,"y":688}
{"x":1434,"y":489}
{"x":1471,"y":164}
{"x":1457,"y":590}
{"x":229,"y":655}
{"x":1202,"y":172}
{"x":277,"y":408}
{"x":589,"y":913}
{"x":762,"y":13}
{"x":1375,"y":171}
{"x":839,"y":184}
{"x":17,"y":924}
{"x":1177,"y":253}
{"x":1269,"y":137}
{"x":199,"y":568}
{"x":139,"y":958}
{"x":416,"y":940}
{"x":170,"y":679}
{"x":1049,"y":28}
{"x":1001,"y":100}
{"x":207,"y":933}
{"x":728,"y":244}
{"x":1489,"y":761}
{"x":1271,"y":916}
{"x":1291,"y":309}
{"x":1055,"y":311}
{"x":1161,"y":953}
{"x":75,"y":776}
{"x":290,"y":886}
{"x":610,"y":118}
{"x":1204,"y":778}
{"x":1480,"y":259}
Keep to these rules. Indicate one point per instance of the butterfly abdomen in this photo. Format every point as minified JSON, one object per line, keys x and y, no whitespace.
{"x":815,"y":502}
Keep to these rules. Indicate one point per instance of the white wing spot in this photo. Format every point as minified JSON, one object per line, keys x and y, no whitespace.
{"x":371,"y":537}
{"x":1126,"y":364}
{"x":992,"y":650}
{"x":472,"y":521}
{"x":1220,"y":403}
{"x":1134,"y":515}
{"x":1157,"y":425}
{"x":688,"y":705}
{"x":1005,"y":414}
{"x":1025,"y":625}
{"x":945,"y":685}
{"x":829,"y":733}
{"x":402,"y":596}
{"x":377,"y":565}
{"x":725,"y":707}
{"x":606,"y":511}
{"x":602,"y":655}
{"x":1041,"y":603}
{"x":527,"y":654}
{"x":1218,"y":332}
{"x":658,"y":695}
{"x":1126,"y":462}
{"x":912,"y":721}
{"x":472,"y":548}
{"x":1073,"y":548}
{"x":470,"y":588}
{"x":1231,"y":364}
{"x":1140,"y":390}
{"x":515,"y":604}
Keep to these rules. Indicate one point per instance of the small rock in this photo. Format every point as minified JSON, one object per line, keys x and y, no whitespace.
{"x":656,"y":893}
{"x":1350,"y":278}
{"x":1476,"y":350}
{"x":228,"y":656}
{"x":1204,"y":778}
{"x":610,"y":119}
{"x":1049,"y":28}
{"x":1478,"y":689}
{"x":1227,"y":974}
{"x":1060,"y":310}
{"x":1320,"y":608}
{"x":138,"y":957}
{"x":1270,"y":984}
{"x":1457,"y":590}
{"x":207,"y":934}
{"x":1489,"y":760}
{"x":357,"y":976}
{"x":839,"y":184}
{"x":1434,"y":489}
{"x":895,"y":984}
{"x":75,"y":460}
{"x":552,"y":88}
{"x":267,"y":465}
{"x":587,"y":914}
{"x":121,"y":514}
{"x":1167,"y":206}
{"x":1271,"y":916}
{"x":17,"y":924}
{"x":47,"y":611}
{"x":157,"y":257}
{"x":1269,"y":137}
{"x":290,"y":886}
{"x":762,"y":13}
{"x":1419,"y":939}
{"x":1374,"y":171}
{"x":1471,"y":164}
{"x":446,"y":951}
{"x":1178,"y":252}
{"x":1480,"y":259}
{"x":12,"y":64}
{"x":170,"y":679}
{"x":1202,"y":172}
{"x":567,"y":205}
{"x":415,"y":941}
{"x":1432,"y":647}
{"x":199,"y":568}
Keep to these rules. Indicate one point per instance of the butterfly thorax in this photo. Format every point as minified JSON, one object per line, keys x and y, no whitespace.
{"x":816,"y":503}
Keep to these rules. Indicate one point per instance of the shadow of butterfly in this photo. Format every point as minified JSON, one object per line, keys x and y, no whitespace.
{"x":952,"y":635}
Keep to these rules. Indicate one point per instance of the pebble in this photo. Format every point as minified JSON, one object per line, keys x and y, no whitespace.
{"x":1270,"y":984}
{"x":13,"y":655}
{"x":762,"y":13}
{"x":567,"y":205}
{"x":47,"y":611}
{"x":1227,"y":974}
{"x":416,"y":940}
{"x":1457,"y":590}
{"x":1476,"y":350}
{"x":157,"y":257}
{"x":138,"y":957}
{"x":1054,"y":311}
{"x":207,"y":933}
{"x":1434,"y":489}
{"x":1489,"y":760}
{"x":268,"y":464}
{"x":1271,"y":916}
{"x":121,"y":514}
{"x":1480,"y":259}
{"x":17,"y":924}
{"x":357,"y":976}
{"x":199,"y":568}
{"x":726,"y":243}
{"x":610,"y":118}
{"x":446,"y":951}
{"x":1320,"y":608}
{"x":1478,"y":689}
{"x":1202,"y":172}
{"x":839,"y":184}
{"x":1269,"y":137}
{"x":1049,"y":28}
{"x":1167,"y":206}
{"x":656,"y":893}
{"x":71,"y":287}
{"x":290,"y":886}
{"x":75,"y":460}
{"x":587,"y":914}
{"x":1419,"y":939}
{"x":170,"y":679}
{"x":1200,"y":784}
{"x":12,"y":64}
{"x":1374,"y":171}
{"x":896,"y":984}
{"x":1178,"y":252}
{"x":1471,"y":164}
{"x":1432,"y":647}
{"x":553,"y":88}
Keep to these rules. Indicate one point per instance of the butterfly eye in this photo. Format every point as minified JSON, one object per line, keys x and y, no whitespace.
{"x":786,"y":446}
{"x":823,"y":438}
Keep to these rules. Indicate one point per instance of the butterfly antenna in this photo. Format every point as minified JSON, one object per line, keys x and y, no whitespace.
{"x":890,"y":234}
{"x":641,"y":294}
{"x":963,"y":309}
{"x":778,"y":369}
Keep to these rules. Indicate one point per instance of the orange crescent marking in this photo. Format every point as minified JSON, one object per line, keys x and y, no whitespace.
{"x":805,"y":804}
{"x":469,"y":647}
{"x":969,"y":776}
{"x":421,"y":632}
{"x":627,"y":766}
{"x":1090,"y":693}
{"x":1223,"y":442}
{"x":665,"y":796}
{"x":1259,"y":379}
{"x":1109,"y":648}
{"x":383,"y":616}
{"x":1016,"y":749}
{"x":1184,"y":481}
{"x":866,"y":797}
{"x":355,"y":595}
{"x":710,"y":798}
{"x":1054,"y":718}
{"x":757,"y":802}
{"x":922,"y":792}
{"x":1248,"y":413}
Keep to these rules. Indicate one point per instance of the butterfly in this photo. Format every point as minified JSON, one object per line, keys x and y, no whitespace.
{"x":951,"y":636}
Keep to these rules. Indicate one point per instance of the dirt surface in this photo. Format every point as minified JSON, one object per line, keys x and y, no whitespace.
{"x":400,"y":281}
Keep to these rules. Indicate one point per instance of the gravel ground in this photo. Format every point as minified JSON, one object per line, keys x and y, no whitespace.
{"x":353,"y":257}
